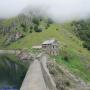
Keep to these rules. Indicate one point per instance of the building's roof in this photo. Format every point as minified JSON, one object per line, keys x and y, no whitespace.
{"x":49,"y":41}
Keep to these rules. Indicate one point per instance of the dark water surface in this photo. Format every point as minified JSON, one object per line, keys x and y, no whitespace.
{"x":12,"y":72}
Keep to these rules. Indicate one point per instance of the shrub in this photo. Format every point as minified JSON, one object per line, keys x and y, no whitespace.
{"x":24,"y":27}
{"x":87,"y":45}
{"x":57,"y":29}
{"x":39,"y":30}
{"x":48,"y":25}
{"x":35,"y":21}
{"x":35,"y":27}
{"x":66,"y":56}
{"x":31,"y":27}
{"x":30,"y":31}
{"x":67,"y":83}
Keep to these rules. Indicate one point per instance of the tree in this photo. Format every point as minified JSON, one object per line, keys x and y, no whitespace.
{"x":35,"y":21}
{"x":86,"y":45}
{"x":31,"y":27}
{"x":39,"y":30}
{"x":35,"y":27}
{"x":30,"y":31}
{"x":24,"y":27}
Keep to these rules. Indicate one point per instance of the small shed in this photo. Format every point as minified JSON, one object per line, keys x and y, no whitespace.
{"x":51,"y":47}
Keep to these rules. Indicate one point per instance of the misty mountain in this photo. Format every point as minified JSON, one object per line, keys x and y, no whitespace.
{"x":27,"y":22}
{"x":35,"y":11}
{"x":30,"y":18}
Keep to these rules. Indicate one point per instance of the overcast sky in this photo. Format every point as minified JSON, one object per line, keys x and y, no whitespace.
{"x":64,"y":9}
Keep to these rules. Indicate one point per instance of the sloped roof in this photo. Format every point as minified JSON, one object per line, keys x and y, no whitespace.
{"x":49,"y":41}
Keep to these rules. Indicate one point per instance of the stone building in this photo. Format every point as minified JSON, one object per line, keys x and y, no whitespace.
{"x":51,"y":47}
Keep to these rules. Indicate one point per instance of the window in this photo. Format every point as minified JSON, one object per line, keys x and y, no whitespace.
{"x":44,"y":46}
{"x":53,"y":46}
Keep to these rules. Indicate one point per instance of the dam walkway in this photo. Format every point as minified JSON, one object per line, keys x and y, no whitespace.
{"x":38,"y":77}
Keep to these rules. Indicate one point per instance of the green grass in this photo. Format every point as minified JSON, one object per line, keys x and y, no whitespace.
{"x":68,"y":41}
{"x":51,"y":32}
{"x":75,"y":64}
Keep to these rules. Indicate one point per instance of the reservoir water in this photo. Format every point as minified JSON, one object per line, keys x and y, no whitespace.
{"x":12,"y":72}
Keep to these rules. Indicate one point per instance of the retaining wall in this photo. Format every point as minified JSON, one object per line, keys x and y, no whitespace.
{"x":47,"y":77}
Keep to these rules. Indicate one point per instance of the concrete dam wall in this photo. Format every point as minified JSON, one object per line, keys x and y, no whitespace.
{"x":38,"y":77}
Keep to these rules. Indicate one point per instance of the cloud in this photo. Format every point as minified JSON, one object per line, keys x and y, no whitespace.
{"x":9,"y":8}
{"x":58,"y":9}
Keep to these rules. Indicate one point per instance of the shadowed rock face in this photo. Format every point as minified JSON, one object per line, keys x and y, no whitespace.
{"x":11,"y":73}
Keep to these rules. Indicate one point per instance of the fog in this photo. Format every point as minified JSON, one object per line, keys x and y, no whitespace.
{"x":58,"y":9}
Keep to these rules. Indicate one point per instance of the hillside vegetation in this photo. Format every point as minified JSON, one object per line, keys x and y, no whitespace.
{"x":82,"y":30}
{"x":35,"y":30}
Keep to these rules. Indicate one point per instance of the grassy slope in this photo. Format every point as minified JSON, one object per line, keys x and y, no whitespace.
{"x":74,"y":48}
{"x":63,"y":35}
{"x":36,"y":38}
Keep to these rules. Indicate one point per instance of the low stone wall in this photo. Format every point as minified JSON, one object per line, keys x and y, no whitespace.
{"x":47,"y":77}
{"x":9,"y":51}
